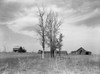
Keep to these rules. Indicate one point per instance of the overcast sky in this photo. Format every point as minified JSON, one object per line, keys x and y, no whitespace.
{"x":81,"y":23}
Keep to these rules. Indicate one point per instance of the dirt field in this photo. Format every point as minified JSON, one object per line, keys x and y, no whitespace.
{"x":31,"y":63}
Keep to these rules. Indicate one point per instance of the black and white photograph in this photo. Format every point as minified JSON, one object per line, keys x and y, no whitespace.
{"x":49,"y":36}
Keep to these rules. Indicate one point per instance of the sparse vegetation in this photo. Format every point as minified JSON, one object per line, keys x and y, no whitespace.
{"x":33,"y":64}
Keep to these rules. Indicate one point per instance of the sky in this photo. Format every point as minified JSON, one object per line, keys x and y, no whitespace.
{"x":81,"y":23}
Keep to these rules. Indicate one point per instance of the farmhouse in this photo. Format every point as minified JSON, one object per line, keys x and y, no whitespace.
{"x":81,"y":51}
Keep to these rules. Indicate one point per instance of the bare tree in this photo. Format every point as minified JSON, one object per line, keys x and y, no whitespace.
{"x":53,"y":24}
{"x":41,"y":28}
{"x":48,"y":29}
{"x":59,"y":45}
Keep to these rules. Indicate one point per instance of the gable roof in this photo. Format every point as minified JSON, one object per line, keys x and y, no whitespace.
{"x":81,"y":49}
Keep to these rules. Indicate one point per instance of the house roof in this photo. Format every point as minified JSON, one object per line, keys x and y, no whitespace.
{"x":81,"y":48}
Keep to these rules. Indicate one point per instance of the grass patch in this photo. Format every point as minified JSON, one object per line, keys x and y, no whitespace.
{"x":33,"y":64}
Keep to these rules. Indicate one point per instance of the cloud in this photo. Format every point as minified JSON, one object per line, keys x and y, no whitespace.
{"x":28,"y":33}
{"x":22,"y":14}
{"x":8,"y":11}
{"x":16,"y":16}
{"x":19,"y":25}
{"x":28,"y":3}
{"x":27,"y":17}
{"x":93,"y":21}
{"x":1,"y":39}
{"x":82,"y":12}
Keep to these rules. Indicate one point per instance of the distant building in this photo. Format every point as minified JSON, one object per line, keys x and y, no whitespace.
{"x":19,"y":49}
{"x":81,"y":51}
{"x":56,"y":52}
{"x":45,"y":52}
{"x":62,"y":52}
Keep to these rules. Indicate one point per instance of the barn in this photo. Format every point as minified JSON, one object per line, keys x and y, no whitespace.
{"x":81,"y":51}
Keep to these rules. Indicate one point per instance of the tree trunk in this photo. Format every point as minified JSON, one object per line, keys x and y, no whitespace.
{"x":51,"y":46}
{"x":59,"y":53}
{"x":43,"y":54}
{"x":43,"y":44}
{"x":43,"y":50}
{"x":51,"y":51}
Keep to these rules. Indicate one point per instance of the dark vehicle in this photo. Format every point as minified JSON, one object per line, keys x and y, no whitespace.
{"x":19,"y":49}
